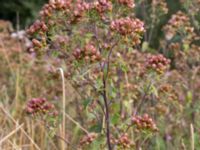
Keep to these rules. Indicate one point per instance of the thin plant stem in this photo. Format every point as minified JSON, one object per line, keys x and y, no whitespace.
{"x":76,"y":123}
{"x":105,"y":98}
{"x":107,"y":117}
{"x":63,"y":108}
{"x":107,"y":113}
{"x":192,"y":136}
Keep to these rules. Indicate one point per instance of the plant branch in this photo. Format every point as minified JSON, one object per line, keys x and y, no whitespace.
{"x":107,"y":115}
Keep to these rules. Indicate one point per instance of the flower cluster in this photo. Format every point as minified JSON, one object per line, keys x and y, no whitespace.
{"x":38,"y":27}
{"x":193,"y":55}
{"x":179,"y":22}
{"x":144,"y":123}
{"x":158,"y":63}
{"x":89,"y":53}
{"x":194,"y":6}
{"x":41,"y":28}
{"x":40,"y":105}
{"x":102,"y":6}
{"x":129,"y":3}
{"x":48,"y":9}
{"x":185,"y":57}
{"x":76,"y":10}
{"x":88,"y":139}
{"x":161,"y":4}
{"x":124,"y":141}
{"x":127,"y":26}
{"x":167,"y":91}
{"x":165,"y":88}
{"x":179,"y":19}
{"x":36,"y":43}
{"x":79,"y":10}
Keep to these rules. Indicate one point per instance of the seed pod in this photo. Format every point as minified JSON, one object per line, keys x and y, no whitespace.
{"x":36,"y":43}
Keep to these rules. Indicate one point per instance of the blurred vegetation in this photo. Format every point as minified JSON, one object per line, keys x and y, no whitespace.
{"x":27,"y":10}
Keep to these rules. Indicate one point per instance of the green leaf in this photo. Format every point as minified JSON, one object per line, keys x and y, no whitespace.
{"x":115,"y":119}
{"x":115,"y":107}
{"x":189,"y":97}
{"x":55,"y":53}
{"x":154,"y":90}
{"x":123,"y":66}
{"x":186,"y":47}
{"x":86,"y":102}
{"x":96,"y":128}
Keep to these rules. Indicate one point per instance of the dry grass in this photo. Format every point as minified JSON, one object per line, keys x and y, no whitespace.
{"x":19,"y":78}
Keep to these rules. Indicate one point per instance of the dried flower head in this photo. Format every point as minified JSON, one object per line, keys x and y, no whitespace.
{"x":124,"y":141}
{"x":161,"y":5}
{"x":79,"y":9}
{"x":127,"y":26}
{"x":129,"y":3}
{"x":89,"y":53}
{"x":102,"y":6}
{"x":88,"y":139}
{"x":133,"y":28}
{"x":40,"y":105}
{"x":179,"y":23}
{"x":37,"y":27}
{"x":144,"y":123}
{"x":158,"y":63}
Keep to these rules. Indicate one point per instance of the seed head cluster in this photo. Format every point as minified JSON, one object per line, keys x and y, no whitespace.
{"x":48,"y":9}
{"x":179,"y":22}
{"x":40,"y":105}
{"x":144,"y":123}
{"x":161,"y":4}
{"x":102,"y":6}
{"x":79,"y":10}
{"x":158,"y":63}
{"x":129,"y":3}
{"x":124,"y":141}
{"x":127,"y":26}
{"x":88,"y":139}
{"x":89,"y":53}
{"x":37,"y":27}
